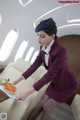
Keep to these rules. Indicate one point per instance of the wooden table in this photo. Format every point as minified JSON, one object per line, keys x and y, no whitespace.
{"x":3,"y":96}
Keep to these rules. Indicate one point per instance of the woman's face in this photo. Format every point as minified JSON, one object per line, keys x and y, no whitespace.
{"x":44,"y":39}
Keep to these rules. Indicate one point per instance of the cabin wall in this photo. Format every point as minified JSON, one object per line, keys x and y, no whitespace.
{"x":22,"y":17}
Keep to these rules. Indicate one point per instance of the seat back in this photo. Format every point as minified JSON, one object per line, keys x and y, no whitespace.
{"x":72,"y":45}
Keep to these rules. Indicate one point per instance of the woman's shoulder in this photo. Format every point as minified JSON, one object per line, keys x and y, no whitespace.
{"x":57,"y":48}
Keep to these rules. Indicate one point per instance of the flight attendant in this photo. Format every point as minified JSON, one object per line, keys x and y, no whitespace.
{"x":63,"y":82}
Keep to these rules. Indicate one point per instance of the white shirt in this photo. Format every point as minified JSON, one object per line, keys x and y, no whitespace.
{"x":47,"y":50}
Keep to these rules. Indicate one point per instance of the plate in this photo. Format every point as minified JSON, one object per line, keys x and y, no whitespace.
{"x":11,"y":95}
{"x":8,"y":91}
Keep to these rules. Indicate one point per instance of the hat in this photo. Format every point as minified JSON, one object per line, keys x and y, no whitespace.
{"x":48,"y":26}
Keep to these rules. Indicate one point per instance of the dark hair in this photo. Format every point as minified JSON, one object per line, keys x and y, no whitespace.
{"x":48,"y":26}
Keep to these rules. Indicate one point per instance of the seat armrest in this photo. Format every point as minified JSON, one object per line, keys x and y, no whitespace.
{"x":0,"y":78}
{"x":75,"y":106}
{"x":6,"y":68}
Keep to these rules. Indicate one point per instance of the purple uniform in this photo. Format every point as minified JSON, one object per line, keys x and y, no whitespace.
{"x":63,"y":81}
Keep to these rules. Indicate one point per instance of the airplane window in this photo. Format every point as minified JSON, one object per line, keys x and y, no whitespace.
{"x":21,"y":50}
{"x":34,"y":57}
{"x":8,"y":45}
{"x":29,"y":53}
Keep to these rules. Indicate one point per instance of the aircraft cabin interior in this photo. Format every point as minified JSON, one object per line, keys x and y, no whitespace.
{"x":19,"y":48}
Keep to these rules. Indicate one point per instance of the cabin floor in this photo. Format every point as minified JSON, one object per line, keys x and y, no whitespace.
{"x":62,"y":112}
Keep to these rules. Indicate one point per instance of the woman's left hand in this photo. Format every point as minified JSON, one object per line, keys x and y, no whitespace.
{"x":22,"y":96}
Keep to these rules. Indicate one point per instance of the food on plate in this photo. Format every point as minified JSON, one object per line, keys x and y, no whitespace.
{"x":9,"y":87}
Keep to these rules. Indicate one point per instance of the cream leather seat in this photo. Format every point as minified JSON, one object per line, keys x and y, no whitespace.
{"x":12,"y":107}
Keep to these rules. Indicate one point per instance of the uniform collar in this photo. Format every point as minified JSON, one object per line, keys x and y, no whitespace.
{"x":47,"y":50}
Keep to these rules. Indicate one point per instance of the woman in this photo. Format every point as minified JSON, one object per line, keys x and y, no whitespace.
{"x":63,"y":82}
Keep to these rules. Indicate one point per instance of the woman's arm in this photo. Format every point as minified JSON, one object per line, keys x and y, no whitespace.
{"x":17,"y":80}
{"x":30,"y":70}
{"x":25,"y":94}
{"x":34,"y":66}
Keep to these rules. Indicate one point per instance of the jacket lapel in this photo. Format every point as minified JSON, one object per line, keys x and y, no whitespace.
{"x":53,"y":52}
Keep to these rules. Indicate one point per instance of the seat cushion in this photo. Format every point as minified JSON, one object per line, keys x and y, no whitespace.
{"x":11,"y":74}
{"x":39,"y":73}
{"x":21,"y":65}
{"x":75,"y":106}
{"x":25,"y":84}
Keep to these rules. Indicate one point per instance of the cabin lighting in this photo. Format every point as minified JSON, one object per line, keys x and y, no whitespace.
{"x":70,"y":25}
{"x":0,"y":19}
{"x":72,"y":21}
{"x":25,"y":2}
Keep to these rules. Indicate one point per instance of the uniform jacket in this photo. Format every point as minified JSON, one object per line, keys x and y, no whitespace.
{"x":58,"y":72}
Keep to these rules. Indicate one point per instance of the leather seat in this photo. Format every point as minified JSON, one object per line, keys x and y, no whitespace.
{"x":72,"y":45}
